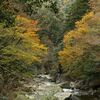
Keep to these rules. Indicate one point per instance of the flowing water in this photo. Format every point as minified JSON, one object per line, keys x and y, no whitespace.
{"x":47,"y":90}
{"x":88,"y":97}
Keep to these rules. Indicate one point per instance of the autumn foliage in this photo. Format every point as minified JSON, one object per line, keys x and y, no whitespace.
{"x":28,"y":28}
{"x":79,"y":55}
{"x":56,"y":37}
{"x":20,"y":50}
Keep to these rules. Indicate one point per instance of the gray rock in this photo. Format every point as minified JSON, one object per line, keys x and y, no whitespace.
{"x":74,"y":98}
{"x":62,"y":95}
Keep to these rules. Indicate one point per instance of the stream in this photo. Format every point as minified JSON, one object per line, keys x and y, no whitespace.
{"x":42,"y":88}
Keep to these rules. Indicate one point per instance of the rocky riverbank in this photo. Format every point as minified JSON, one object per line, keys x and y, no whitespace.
{"x":42,"y":88}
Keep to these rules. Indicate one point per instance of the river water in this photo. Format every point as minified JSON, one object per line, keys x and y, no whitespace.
{"x":43,"y":89}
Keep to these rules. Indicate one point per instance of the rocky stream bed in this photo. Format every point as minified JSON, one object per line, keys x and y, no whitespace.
{"x":42,"y":88}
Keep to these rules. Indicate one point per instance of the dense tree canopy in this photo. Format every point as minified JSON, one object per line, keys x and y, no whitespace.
{"x":56,"y":16}
{"x":56,"y":37}
{"x":80,"y":55}
{"x":20,"y":49}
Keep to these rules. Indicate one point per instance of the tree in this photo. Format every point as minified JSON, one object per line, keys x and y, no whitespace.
{"x":79,"y":57}
{"x":56,"y":16}
{"x":20,"y":49}
{"x":6,"y":13}
{"x":75,"y":12}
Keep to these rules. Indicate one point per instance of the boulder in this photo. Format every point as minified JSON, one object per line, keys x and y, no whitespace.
{"x":75,"y":98}
{"x":94,"y":84}
{"x":62,"y":95}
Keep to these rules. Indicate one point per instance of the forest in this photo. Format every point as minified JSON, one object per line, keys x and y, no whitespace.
{"x":49,"y":49}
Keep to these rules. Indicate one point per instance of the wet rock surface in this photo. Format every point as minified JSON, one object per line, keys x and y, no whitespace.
{"x":42,"y":88}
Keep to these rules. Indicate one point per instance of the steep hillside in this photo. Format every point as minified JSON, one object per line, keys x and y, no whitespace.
{"x":81,"y":54}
